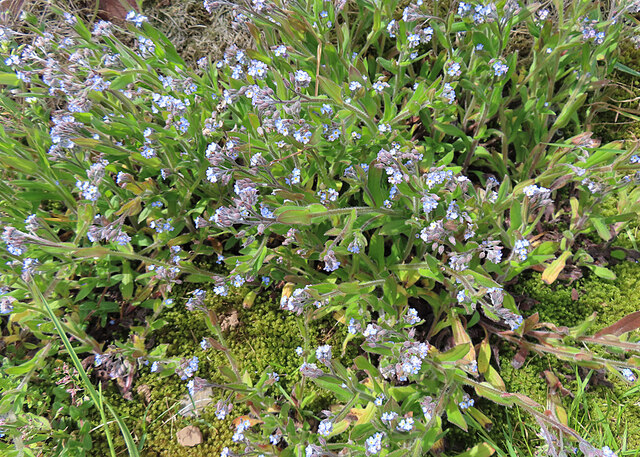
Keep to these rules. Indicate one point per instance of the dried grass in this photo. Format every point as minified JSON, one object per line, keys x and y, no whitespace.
{"x":194,"y":32}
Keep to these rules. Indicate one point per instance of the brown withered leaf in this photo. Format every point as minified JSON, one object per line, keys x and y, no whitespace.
{"x":555,"y":385}
{"x":626,"y":324}
{"x":14,"y":6}
{"x":574,"y":294}
{"x":520,"y":357}
{"x":115,"y":10}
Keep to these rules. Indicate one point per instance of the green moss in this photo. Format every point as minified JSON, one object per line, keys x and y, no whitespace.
{"x":553,"y":303}
{"x":265,"y":339}
{"x":607,"y":124}
{"x":604,"y":411}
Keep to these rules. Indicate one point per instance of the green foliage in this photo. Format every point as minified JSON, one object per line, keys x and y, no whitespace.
{"x":381,"y":177}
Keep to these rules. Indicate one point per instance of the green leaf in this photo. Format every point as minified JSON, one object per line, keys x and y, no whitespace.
{"x":382,"y":350}
{"x":619,"y":255}
{"x":494,"y":378}
{"x":259,"y":259}
{"x":333,"y":385}
{"x":331,"y":89}
{"x":453,"y":131}
{"x":515,"y":214}
{"x":487,"y":391}
{"x":9,"y":79}
{"x":601,"y":228}
{"x":624,"y":68}
{"x":21,"y":369}
{"x":569,"y":110}
{"x":454,"y":415}
{"x":375,"y":187}
{"x":456,"y":353}
{"x":253,"y":120}
{"x":293,"y":215}
{"x":364,"y":364}
{"x":603,"y":272}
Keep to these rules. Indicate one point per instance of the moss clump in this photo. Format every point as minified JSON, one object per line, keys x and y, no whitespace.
{"x":264,"y":340}
{"x":553,"y":303}
{"x":621,"y":93}
{"x":603,"y":410}
{"x":611,"y":300}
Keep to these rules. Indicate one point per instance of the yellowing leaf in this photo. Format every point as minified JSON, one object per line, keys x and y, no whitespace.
{"x":364,"y":415}
{"x":480,"y":450}
{"x":460,"y":337}
{"x":551,"y":273}
{"x":484,"y":356}
{"x":131,"y":208}
{"x":251,"y":420}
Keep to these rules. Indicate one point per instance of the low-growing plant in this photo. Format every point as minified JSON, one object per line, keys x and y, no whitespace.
{"x":389,"y":168}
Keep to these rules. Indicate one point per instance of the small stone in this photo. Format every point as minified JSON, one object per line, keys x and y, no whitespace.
{"x":189,"y":436}
{"x":201,"y":399}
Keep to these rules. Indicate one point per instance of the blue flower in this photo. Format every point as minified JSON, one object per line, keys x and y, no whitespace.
{"x":275,"y":437}
{"x":325,"y":428}
{"x":221,"y":290}
{"x":190,"y":369}
{"x":521,"y":249}
{"x":374,"y":443}
{"x":500,"y":68}
{"x":88,"y":190}
{"x":294,"y":177}
{"x":466,"y":402}
{"x":353,"y":326}
{"x":204,"y":344}
{"x":237,"y":280}
{"x":257,"y":69}
{"x":411,"y":317}
{"x":388,"y":416}
{"x":137,"y":18}
{"x":331,"y":263}
{"x":454,"y":69}
{"x":628,"y":374}
{"x":380,"y":86}
{"x":280,"y":51}
{"x":323,"y":354}
{"x":405,"y":425}
{"x":354,"y":247}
